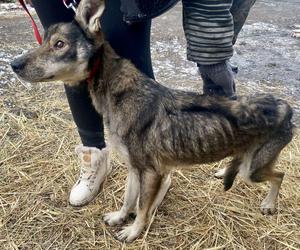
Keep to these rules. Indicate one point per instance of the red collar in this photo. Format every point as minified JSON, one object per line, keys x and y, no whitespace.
{"x":94,"y":71}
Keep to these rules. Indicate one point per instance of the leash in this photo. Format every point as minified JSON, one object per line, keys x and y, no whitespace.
{"x":33,"y":24}
{"x":70,"y":4}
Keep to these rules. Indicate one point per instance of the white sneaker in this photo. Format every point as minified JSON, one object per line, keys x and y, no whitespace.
{"x":95,"y":166}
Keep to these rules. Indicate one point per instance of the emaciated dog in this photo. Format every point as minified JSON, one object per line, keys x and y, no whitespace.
{"x":157,"y":128}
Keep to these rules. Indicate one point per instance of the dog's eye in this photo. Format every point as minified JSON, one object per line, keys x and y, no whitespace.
{"x":59,"y":44}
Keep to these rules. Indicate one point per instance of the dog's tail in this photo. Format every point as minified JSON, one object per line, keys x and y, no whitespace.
{"x":257,"y":113}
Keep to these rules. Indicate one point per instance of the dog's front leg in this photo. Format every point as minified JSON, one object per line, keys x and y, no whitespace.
{"x":150,"y":184}
{"x":131,"y":195}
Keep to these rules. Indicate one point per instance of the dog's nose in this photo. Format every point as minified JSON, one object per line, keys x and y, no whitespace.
{"x":17,"y":64}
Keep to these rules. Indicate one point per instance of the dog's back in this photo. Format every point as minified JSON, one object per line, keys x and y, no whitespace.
{"x":188,"y":128}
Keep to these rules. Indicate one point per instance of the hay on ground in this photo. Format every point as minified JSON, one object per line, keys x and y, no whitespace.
{"x":38,"y":168}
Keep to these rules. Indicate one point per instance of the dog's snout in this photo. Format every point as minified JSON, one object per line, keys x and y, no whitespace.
{"x":18,"y":64}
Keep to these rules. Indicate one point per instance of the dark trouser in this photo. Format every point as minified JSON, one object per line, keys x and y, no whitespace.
{"x":129,"y":41}
{"x":240,"y":10}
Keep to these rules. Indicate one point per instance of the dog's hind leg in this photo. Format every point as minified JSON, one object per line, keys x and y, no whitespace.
{"x":269,"y":203}
{"x":262,"y":168}
{"x":267,"y":173}
{"x":150,"y":183}
{"x":130,"y":199}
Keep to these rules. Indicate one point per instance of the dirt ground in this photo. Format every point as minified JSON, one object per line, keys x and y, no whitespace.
{"x":38,"y":166}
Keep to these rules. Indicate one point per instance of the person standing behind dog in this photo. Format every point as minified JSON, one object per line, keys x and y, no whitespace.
{"x":211,"y":28}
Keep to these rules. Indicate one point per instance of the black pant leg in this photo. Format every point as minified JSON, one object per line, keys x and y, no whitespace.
{"x":129,"y":41}
{"x":51,"y":12}
{"x":240,"y":10}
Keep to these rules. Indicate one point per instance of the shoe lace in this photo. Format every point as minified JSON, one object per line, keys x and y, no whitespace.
{"x":87,"y":173}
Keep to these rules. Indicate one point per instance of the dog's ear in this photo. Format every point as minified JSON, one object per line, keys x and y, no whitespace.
{"x":88,"y":14}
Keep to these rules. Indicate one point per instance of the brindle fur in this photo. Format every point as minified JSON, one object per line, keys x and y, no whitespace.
{"x":157,"y":128}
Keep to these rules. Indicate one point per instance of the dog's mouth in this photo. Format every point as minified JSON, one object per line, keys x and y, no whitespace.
{"x":33,"y":75}
{"x":28,"y":79}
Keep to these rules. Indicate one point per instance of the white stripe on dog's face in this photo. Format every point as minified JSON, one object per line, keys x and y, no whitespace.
{"x":65,"y":72}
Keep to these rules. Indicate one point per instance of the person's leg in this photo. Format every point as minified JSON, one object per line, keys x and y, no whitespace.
{"x":240,"y":10}
{"x":131,"y":41}
{"x":51,"y":12}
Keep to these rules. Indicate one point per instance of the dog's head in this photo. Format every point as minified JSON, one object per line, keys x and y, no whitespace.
{"x":67,"y":49}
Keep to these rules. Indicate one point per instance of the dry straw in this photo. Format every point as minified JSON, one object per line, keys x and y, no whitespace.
{"x":38,"y":167}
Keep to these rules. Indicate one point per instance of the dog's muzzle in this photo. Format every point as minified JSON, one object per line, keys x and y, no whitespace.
{"x":18,"y":64}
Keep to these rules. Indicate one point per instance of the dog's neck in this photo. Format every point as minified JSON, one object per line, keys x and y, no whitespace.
{"x":109,"y":71}
{"x":95,"y":64}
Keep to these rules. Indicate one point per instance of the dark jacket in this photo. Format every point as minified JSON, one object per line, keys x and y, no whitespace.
{"x":139,"y":10}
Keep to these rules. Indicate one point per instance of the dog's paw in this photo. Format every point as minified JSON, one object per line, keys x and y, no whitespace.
{"x":267,"y":208}
{"x":129,"y":233}
{"x":114,"y":218}
{"x":220,"y":173}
